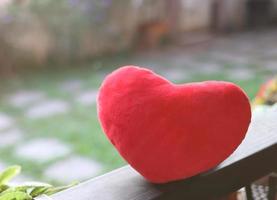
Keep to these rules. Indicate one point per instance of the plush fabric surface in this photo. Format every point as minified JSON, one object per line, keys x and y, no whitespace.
{"x":169,"y":132}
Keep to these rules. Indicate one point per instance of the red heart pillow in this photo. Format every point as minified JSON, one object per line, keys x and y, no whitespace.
{"x":167,"y":131}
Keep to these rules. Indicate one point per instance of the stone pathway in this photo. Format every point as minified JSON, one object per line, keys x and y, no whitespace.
{"x":241,"y":73}
{"x":10,"y":137}
{"x":238,"y":57}
{"x":271,"y":66}
{"x":71,"y":86}
{"x":231,"y":57}
{"x":88,"y":97}
{"x":24,"y":98}
{"x":74,"y":168}
{"x":5,"y":121}
{"x":210,"y":68}
{"x":176,"y":75}
{"x":47,"y":109}
{"x":42,"y":150}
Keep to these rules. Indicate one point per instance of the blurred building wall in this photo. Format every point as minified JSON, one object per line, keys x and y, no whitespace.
{"x":81,"y":29}
{"x":195,"y":15}
{"x":231,"y":15}
{"x":237,"y":15}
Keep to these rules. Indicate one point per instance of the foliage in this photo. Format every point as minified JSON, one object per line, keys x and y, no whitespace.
{"x":24,"y":191}
{"x":267,"y":94}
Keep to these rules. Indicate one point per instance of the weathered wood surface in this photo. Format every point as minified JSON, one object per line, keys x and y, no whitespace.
{"x":255,"y":157}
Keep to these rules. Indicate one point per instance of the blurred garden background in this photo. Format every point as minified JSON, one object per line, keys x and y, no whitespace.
{"x":55,"y":54}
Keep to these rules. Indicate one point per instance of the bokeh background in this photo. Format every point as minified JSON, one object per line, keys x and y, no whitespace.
{"x":54,"y":55}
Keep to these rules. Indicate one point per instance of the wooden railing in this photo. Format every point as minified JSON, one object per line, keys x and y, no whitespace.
{"x":255,"y":158}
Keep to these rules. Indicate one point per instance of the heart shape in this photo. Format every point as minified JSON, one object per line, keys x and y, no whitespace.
{"x":169,"y":132}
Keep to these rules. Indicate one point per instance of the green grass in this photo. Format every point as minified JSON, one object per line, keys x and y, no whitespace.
{"x":79,"y":128}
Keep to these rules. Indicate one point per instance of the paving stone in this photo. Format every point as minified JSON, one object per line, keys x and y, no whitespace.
{"x":5,"y":121}
{"x":25,"y":98}
{"x":209,"y":68}
{"x":88,"y":97}
{"x":231,"y":57}
{"x":240,"y":73}
{"x":71,"y":86}
{"x":176,"y":74}
{"x":42,"y":150}
{"x":75,"y":168}
{"x":271,"y":66}
{"x":270,"y":51}
{"x":47,"y":109}
{"x":10,"y":137}
{"x":179,"y":60}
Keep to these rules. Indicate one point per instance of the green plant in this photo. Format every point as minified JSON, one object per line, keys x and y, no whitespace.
{"x":24,"y":191}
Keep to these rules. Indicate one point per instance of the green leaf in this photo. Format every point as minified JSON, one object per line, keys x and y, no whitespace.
{"x":38,"y":191}
{"x":3,"y":188}
{"x":54,"y":190}
{"x":24,"y":187}
{"x":15,"y":195}
{"x":24,"y":191}
{"x":9,"y":173}
{"x":31,"y":188}
{"x":34,"y":188}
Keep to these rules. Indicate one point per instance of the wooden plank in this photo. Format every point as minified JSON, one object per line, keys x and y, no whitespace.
{"x":255,"y":157}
